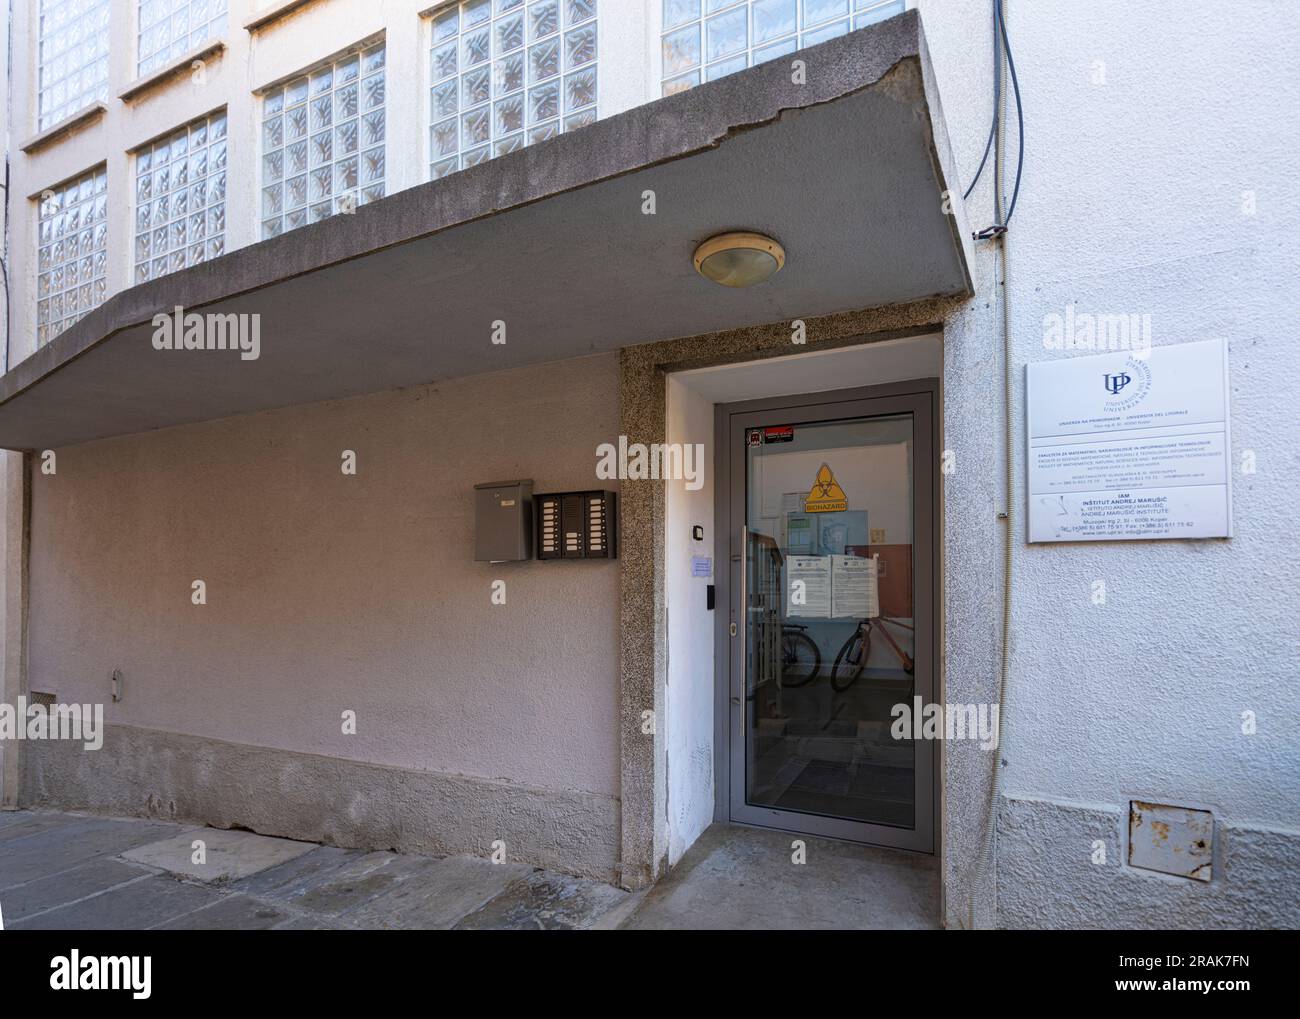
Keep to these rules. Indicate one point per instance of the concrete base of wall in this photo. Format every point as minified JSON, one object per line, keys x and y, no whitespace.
{"x":148,"y":773}
{"x":1046,"y":877}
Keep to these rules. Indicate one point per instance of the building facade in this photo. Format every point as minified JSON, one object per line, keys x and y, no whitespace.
{"x":462,"y":235}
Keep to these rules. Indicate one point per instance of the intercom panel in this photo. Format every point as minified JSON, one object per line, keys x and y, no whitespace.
{"x":577,"y":525}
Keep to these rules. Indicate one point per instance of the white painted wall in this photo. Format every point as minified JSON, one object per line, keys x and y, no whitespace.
{"x":1132,"y":202}
{"x":690,"y":629}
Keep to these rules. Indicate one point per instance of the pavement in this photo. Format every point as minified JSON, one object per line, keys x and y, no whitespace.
{"x":66,"y":871}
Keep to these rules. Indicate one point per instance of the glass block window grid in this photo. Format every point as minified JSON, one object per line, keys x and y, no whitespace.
{"x":180,"y":199}
{"x":323,"y":142}
{"x":169,"y":28}
{"x":72,"y":253}
{"x":706,"y":39}
{"x":73,"y":58}
{"x":507,"y":73}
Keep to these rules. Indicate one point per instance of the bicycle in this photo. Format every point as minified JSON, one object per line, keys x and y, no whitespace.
{"x":852,"y":658}
{"x":801,"y":661}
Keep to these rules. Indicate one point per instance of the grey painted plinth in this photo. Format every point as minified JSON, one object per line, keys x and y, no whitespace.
{"x":148,"y":773}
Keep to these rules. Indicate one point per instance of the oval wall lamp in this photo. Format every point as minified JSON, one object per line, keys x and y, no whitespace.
{"x":739,"y":259}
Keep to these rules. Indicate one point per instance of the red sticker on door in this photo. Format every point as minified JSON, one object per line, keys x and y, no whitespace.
{"x":779,"y":433}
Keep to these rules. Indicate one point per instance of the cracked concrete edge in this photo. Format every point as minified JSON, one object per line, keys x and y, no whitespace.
{"x":945,"y":165}
{"x":333,"y":801}
{"x":1047,"y":880}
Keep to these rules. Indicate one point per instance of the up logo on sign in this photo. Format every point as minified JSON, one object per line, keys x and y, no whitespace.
{"x":1127,"y":387}
{"x":1116,"y":382}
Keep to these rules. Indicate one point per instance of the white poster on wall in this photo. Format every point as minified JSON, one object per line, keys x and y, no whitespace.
{"x":855,"y":592}
{"x":1123,"y":447}
{"x":808,"y":586}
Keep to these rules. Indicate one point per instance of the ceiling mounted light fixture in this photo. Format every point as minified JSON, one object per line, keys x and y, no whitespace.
{"x":739,"y":259}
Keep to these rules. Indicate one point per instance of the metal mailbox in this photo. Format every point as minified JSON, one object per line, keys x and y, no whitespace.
{"x":503,"y":521}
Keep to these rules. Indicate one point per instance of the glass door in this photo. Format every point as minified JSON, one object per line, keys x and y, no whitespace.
{"x":832,"y":520}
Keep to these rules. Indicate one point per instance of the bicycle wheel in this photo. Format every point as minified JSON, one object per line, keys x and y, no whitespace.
{"x":801,"y":661}
{"x":851,"y":659}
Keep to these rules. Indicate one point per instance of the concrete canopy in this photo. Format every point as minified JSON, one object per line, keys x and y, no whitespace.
{"x":847,"y":170}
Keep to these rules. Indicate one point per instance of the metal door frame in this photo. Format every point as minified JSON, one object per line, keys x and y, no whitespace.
{"x":920,"y":397}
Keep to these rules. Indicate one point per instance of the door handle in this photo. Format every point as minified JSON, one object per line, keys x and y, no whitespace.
{"x":744,"y":579}
{"x":741,"y":682}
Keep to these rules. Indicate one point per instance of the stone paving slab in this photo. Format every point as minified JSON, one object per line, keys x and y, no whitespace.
{"x":66,"y":886}
{"x":310,"y":923}
{"x":313,"y":888}
{"x":291,"y":878}
{"x":17,"y":824}
{"x":144,"y":903}
{"x":227,"y":855}
{"x":436,"y":898}
{"x":331,"y":881}
{"x":63,"y":872}
{"x":359,"y":880}
{"x":63,"y":847}
{"x":232,"y":913}
{"x":544,"y":901}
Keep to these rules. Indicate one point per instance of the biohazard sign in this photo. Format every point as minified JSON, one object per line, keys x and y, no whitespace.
{"x":826,"y":495}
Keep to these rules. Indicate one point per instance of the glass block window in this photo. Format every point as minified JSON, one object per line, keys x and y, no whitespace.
{"x":323,"y":142}
{"x":705,"y":39}
{"x":169,"y":28}
{"x":507,"y":73}
{"x":73,"y":57}
{"x":180,"y":199}
{"x":72,"y":253}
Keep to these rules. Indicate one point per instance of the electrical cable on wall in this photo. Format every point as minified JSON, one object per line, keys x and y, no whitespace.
{"x":1002,"y":52}
{"x":997,"y":106}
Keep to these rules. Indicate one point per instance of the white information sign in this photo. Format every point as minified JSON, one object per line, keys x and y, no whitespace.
{"x":855,"y":591}
{"x":808,"y":586}
{"x":1125,"y":447}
